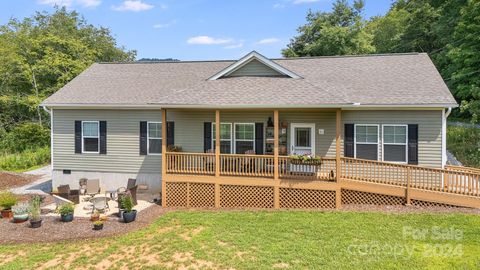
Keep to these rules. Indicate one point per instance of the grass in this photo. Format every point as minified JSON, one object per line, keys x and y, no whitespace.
{"x":464,"y":144}
{"x":266,"y":240}
{"x":26,"y":160}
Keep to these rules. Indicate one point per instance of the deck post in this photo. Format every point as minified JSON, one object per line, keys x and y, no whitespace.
{"x":338,"y":165}
{"x":276,"y":191}
{"x":408,"y":200}
{"x":217,"y":158}
{"x":164,"y":158}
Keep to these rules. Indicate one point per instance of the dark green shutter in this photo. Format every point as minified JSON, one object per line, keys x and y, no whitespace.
{"x":349,"y":141}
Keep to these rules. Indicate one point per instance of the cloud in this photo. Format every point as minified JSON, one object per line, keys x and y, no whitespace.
{"x":296,"y":2}
{"x":206,"y":40}
{"x":234,"y":46}
{"x":60,"y":3}
{"x":132,"y":5}
{"x":278,"y":5}
{"x":268,"y":41}
{"x":165,"y":25}
{"x":89,"y":3}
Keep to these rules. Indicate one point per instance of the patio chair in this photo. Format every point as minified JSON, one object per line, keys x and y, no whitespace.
{"x":59,"y":201}
{"x":69,"y":194}
{"x":93,"y":187}
{"x":100,"y":204}
{"x":130,"y":189}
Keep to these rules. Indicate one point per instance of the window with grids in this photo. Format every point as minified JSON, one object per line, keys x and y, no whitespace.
{"x":366,"y":142}
{"x":225,"y":137}
{"x":395,"y":143}
{"x":244,"y":138}
{"x":90,"y":137}
{"x":154,"y":138}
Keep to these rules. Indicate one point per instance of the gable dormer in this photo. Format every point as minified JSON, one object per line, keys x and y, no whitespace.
{"x":255,"y":65}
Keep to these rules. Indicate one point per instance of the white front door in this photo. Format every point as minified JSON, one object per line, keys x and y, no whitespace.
{"x":302,"y":139}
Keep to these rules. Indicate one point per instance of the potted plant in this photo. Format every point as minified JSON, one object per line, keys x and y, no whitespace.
{"x":66,"y":212}
{"x":306,"y":159}
{"x":7,"y":200}
{"x":95,"y":216}
{"x":98,"y":225}
{"x":129,"y":213}
{"x":20,"y":212}
{"x":34,"y":211}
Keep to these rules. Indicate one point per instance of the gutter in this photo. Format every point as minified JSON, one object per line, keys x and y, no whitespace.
{"x":445,"y":115}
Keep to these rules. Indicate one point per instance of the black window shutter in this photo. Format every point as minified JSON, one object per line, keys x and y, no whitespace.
{"x":143,"y":138}
{"x":348,"y":140}
{"x":78,"y":137}
{"x":207,"y":136}
{"x":413,"y":144}
{"x":170,"y":133}
{"x":259,"y":138}
{"x":103,"y":137}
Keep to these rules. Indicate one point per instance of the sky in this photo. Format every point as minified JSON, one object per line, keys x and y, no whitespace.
{"x":192,"y":29}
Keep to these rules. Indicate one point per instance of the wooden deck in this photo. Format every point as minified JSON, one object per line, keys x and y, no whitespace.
{"x":249,"y":181}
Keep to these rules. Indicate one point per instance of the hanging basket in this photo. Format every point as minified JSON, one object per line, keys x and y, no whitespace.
{"x":313,"y":162}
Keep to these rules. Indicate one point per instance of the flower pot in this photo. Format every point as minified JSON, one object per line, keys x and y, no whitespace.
{"x":36,"y":223}
{"x":97,"y":227}
{"x":66,"y":218}
{"x":120,"y":213}
{"x":7,"y":214}
{"x":20,"y":218}
{"x":129,"y":216}
{"x":94,"y":218}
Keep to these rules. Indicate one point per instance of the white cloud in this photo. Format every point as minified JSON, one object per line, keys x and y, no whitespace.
{"x":268,"y":41}
{"x":132,"y":5}
{"x":234,"y":46}
{"x":61,"y":3}
{"x":165,"y":25}
{"x":206,"y":40}
{"x":278,"y":5}
{"x":296,"y":2}
{"x":89,"y":3}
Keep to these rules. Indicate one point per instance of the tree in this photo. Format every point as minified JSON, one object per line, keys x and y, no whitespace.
{"x":332,"y":33}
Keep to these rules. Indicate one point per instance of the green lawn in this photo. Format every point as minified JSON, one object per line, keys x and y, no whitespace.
{"x":266,"y":240}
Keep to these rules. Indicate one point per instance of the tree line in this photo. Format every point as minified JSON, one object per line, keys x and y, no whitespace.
{"x":448,"y":30}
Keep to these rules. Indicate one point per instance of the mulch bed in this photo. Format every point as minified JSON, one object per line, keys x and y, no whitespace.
{"x":10,"y":180}
{"x":54,"y":230}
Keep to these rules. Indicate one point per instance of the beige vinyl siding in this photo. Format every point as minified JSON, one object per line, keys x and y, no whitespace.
{"x":254,"y":68}
{"x":429,"y":130}
{"x":123,"y":130}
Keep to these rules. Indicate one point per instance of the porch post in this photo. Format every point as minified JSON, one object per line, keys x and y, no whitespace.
{"x":276,"y":191}
{"x":217,"y":158}
{"x":164,"y":158}
{"x":338,"y":173}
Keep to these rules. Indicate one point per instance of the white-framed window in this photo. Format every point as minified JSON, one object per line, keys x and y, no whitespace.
{"x":244,"y":137}
{"x":366,"y":141}
{"x":90,"y":137}
{"x":154,"y":138}
{"x":395,"y":138}
{"x":225,"y":137}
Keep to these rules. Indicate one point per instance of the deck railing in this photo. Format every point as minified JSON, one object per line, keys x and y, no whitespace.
{"x":190,"y":163}
{"x":246,"y":165}
{"x":290,"y":170}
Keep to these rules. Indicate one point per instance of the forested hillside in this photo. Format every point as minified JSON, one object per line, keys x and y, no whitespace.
{"x":38,"y":55}
{"x":448,"y":30}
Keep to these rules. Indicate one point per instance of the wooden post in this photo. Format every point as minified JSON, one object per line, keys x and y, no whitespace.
{"x":276,"y":191}
{"x":164,"y":158}
{"x":217,"y":158}
{"x":409,"y":182}
{"x":338,"y":165}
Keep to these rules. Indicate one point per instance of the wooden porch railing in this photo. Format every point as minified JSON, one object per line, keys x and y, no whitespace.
{"x":190,"y":163}
{"x":324,"y":171}
{"x":246,"y":165}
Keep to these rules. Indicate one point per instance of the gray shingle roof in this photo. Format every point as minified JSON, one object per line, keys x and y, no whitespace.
{"x":396,"y":79}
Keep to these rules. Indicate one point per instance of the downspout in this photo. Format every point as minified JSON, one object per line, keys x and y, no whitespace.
{"x":50,"y":112}
{"x":444,"y":135}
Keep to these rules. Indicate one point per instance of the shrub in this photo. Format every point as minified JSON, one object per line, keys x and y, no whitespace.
{"x":25,"y":160}
{"x":127,"y":203}
{"x":98,"y":222}
{"x":34,"y":207}
{"x":7,"y":200}
{"x":464,"y":144}
{"x":25,"y":136}
{"x":66,"y":209}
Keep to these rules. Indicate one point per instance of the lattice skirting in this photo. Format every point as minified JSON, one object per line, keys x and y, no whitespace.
{"x":431,"y":204}
{"x":237,"y":196}
{"x":306,"y":198}
{"x":359,"y":197}
{"x":201,"y":195}
{"x":176,"y":194}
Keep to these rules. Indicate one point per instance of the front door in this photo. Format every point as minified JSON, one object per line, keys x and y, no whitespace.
{"x":302,"y":139}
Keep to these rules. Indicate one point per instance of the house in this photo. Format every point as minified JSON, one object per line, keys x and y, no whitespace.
{"x":117,"y":121}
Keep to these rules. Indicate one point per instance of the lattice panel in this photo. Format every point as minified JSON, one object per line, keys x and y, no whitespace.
{"x":431,"y":204}
{"x":201,"y":195}
{"x":236,"y":196}
{"x":176,"y":194}
{"x":306,"y":198}
{"x":358,"y":197}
